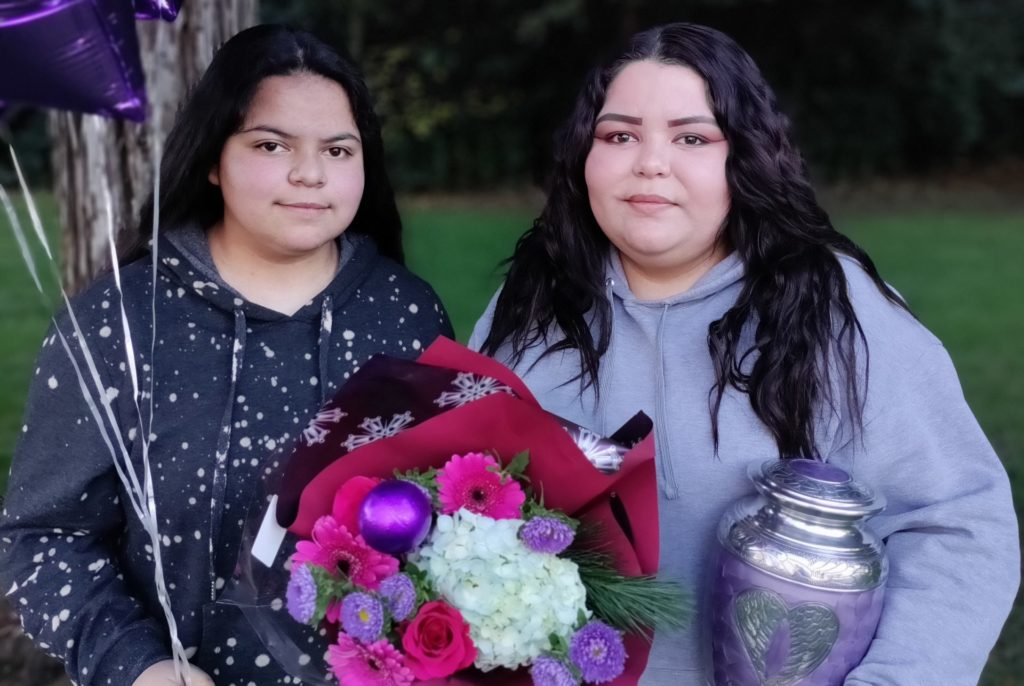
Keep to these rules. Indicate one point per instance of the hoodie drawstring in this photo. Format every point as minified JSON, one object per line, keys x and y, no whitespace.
{"x":220,"y":474}
{"x":663,"y":447}
{"x":663,"y":450}
{"x":324,"y":344}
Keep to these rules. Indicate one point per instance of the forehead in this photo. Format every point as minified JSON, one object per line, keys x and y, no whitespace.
{"x":299,"y":97}
{"x":657,"y":88}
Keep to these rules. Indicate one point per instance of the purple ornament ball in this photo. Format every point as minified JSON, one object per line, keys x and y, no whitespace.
{"x":395,"y":516}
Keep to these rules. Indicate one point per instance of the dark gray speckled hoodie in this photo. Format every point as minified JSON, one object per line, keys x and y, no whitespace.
{"x":74,"y":560}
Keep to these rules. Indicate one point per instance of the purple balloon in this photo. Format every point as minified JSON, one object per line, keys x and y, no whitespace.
{"x":157,"y":9}
{"x":395,"y":516}
{"x":78,"y":55}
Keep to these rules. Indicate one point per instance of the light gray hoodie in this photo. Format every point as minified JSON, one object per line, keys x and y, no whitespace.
{"x":949,"y":527}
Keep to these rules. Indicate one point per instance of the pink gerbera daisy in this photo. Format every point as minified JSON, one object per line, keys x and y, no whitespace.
{"x":339,"y":552}
{"x":473,"y":481}
{"x":377,"y":664}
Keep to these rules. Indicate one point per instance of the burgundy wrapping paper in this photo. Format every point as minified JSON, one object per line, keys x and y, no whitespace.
{"x":506,"y":423}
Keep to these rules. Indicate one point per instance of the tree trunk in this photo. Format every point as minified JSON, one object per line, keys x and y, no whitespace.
{"x":93,"y":156}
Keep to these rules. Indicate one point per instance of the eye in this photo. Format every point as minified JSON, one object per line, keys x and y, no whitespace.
{"x":338,"y":151}
{"x":620,"y":137}
{"x":269,"y":146}
{"x":691,"y":139}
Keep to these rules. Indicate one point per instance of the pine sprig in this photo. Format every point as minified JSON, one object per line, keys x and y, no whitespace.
{"x":634,"y":604}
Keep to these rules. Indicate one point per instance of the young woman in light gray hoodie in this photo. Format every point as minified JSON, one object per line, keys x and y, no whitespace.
{"x":682,"y":266}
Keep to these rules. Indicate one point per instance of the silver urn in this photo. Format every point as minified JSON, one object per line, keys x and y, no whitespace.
{"x":799,"y":581}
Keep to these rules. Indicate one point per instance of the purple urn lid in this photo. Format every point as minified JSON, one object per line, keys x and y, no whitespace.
{"x":816,"y":487}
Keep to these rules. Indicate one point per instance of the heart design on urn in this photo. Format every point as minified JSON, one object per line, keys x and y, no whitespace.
{"x":784,"y":644}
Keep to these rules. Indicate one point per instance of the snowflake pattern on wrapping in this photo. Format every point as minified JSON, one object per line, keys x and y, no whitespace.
{"x":318,"y":427}
{"x":375,"y":429}
{"x":470,"y":387}
{"x":602,"y":455}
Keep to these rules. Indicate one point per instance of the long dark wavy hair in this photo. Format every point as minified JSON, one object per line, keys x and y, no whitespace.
{"x":794,"y":292}
{"x":216,"y":108}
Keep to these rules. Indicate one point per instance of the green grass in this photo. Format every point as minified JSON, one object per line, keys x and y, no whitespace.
{"x":458,"y":251}
{"x":959,"y":270}
{"x":24,"y":319}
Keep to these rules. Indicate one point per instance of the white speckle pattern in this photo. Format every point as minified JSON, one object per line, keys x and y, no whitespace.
{"x":234,"y":391}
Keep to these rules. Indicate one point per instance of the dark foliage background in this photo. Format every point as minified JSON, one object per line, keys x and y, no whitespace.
{"x":471,"y":91}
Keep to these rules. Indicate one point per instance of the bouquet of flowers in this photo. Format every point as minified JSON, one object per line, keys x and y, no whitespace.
{"x":436,"y":524}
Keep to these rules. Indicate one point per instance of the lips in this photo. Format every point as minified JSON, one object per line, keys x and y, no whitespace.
{"x":649,"y":205}
{"x":304,"y":205}
{"x":643,"y":199}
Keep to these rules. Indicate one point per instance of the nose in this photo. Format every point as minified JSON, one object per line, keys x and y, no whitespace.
{"x":651,"y":159}
{"x":307,"y":170}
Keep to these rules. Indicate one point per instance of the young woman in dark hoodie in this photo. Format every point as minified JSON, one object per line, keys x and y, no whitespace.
{"x":280,"y":273}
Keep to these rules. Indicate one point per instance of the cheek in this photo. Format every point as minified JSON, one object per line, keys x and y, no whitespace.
{"x":599,"y":176}
{"x":347,"y":184}
{"x":597,"y":172}
{"x":247,"y":183}
{"x":706,"y":183}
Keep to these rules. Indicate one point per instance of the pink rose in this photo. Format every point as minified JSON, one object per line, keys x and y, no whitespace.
{"x":349,"y":498}
{"x":437,"y":642}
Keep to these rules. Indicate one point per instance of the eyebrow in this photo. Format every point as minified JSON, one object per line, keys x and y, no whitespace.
{"x":637,"y":121}
{"x":336,"y":138}
{"x":698,"y":119}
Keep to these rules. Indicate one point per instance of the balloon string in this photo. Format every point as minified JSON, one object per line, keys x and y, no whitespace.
{"x":140,"y":495}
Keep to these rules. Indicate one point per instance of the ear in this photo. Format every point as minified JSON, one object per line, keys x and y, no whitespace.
{"x":214,"y":175}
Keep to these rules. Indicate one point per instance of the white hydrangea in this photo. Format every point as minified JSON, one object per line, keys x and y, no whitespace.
{"x":512,"y":597}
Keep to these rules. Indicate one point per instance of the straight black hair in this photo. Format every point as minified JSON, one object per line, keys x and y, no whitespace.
{"x":216,"y":108}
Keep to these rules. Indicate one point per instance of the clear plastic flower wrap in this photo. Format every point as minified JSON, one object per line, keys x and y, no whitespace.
{"x":424,"y":530}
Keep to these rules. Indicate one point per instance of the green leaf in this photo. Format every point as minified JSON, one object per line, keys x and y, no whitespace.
{"x":427,"y":479}
{"x":517,"y":467}
{"x":559,"y":646}
{"x":328,"y":588}
{"x":425,"y":591}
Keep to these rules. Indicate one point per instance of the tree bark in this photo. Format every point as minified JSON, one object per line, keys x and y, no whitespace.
{"x":94,"y":157}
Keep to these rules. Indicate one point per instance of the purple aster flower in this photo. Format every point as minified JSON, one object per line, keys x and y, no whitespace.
{"x":362,"y":617}
{"x":546,"y":535}
{"x":597,"y":651}
{"x":399,"y":595}
{"x":301,"y":594}
{"x":550,"y":671}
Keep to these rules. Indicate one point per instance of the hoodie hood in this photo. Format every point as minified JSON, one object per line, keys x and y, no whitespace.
{"x":719,"y":277}
{"x":185,"y":255}
{"x":634,"y":319}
